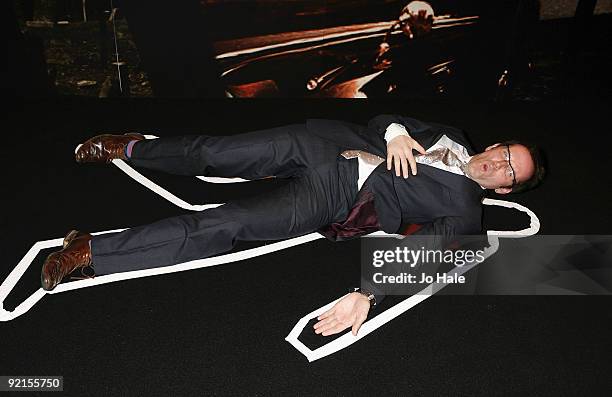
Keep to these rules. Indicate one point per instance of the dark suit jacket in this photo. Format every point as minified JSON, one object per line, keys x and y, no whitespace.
{"x":444,"y":204}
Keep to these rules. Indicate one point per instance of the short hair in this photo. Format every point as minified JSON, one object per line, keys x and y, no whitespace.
{"x":539,"y":166}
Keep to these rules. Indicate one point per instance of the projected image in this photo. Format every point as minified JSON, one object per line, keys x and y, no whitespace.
{"x":514,"y":50}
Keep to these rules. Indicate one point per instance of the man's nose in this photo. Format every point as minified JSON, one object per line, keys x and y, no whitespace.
{"x":499,"y":164}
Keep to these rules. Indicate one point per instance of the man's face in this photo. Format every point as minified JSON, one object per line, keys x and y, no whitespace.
{"x":499,"y":166}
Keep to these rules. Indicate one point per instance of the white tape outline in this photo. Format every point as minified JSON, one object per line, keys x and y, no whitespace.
{"x":312,"y":355}
{"x":367,"y":327}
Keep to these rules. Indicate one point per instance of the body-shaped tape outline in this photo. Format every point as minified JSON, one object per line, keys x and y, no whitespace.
{"x":325,"y":350}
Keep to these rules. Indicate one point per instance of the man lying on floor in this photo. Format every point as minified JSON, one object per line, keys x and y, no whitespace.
{"x":340,"y":186}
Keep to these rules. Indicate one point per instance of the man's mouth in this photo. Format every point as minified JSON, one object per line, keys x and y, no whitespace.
{"x":484,"y":168}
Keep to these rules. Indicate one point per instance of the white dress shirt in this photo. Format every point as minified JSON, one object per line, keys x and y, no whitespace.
{"x":394,"y":130}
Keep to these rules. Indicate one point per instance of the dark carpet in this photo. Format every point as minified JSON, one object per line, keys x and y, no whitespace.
{"x":221,"y":330}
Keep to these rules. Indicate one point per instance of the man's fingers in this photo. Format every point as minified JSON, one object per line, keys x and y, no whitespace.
{"x":326,"y":314}
{"x":397,"y":166}
{"x":335,"y":329}
{"x":324,"y":322}
{"x":419,"y":148}
{"x":325,"y":318}
{"x":326,"y":327}
{"x":405,"y":166}
{"x":400,"y":156}
{"x":412,"y":161}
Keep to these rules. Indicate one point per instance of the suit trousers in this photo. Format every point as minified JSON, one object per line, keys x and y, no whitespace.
{"x":322,"y":188}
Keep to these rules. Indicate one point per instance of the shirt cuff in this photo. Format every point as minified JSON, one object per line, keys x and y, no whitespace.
{"x":394,"y":130}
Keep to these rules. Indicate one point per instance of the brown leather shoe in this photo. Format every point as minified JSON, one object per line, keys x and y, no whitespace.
{"x":76,"y":254}
{"x":105,"y":148}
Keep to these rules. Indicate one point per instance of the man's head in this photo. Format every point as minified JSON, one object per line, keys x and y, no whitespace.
{"x":507,"y":167}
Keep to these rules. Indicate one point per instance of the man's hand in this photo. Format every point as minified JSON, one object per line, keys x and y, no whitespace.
{"x":352,"y":310}
{"x":417,"y":18}
{"x":399,"y":152}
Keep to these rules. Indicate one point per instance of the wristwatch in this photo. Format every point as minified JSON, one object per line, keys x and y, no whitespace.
{"x":367,"y":294}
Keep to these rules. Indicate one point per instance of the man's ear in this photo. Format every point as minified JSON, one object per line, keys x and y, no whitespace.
{"x":492,"y":146}
{"x":503,"y":190}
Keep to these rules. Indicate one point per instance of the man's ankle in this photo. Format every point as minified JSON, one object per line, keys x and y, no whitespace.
{"x":129,"y":147}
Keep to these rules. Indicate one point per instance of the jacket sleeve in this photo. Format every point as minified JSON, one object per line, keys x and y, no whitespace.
{"x":437,"y":235}
{"x":378,"y":125}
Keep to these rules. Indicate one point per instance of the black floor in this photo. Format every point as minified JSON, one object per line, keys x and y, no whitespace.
{"x":220,"y":331}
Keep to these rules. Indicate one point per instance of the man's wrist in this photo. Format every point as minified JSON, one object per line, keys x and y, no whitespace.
{"x":368,"y":295}
{"x":394,"y":130}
